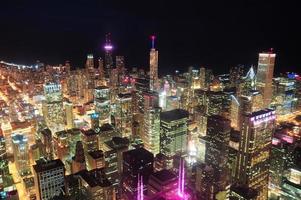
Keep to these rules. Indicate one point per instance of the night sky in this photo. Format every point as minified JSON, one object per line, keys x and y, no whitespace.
{"x":217,"y":34}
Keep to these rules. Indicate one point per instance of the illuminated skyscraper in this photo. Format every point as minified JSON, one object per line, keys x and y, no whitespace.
{"x":53,"y":111}
{"x":254,"y":150}
{"x":90,"y":62}
{"x":264,"y":75}
{"x":21,"y":154}
{"x":216,"y":156}
{"x":136,"y":163}
{"x":124,"y":113}
{"x":153,"y":63}
{"x":78,"y":160}
{"x":173,"y":137}
{"x":151,"y":130}
{"x":102,"y":103}
{"x":108,"y":56}
{"x":69,"y":115}
{"x":3,"y":157}
{"x":101,"y":69}
{"x":49,"y":178}
{"x":150,"y":133}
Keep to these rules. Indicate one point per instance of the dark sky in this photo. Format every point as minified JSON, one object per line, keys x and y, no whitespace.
{"x":217,"y":34}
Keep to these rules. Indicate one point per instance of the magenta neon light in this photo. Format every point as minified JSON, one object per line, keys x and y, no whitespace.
{"x":140,"y":195}
{"x":108,"y":47}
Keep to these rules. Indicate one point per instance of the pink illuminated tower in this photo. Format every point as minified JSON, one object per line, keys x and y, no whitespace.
{"x":153,"y":64}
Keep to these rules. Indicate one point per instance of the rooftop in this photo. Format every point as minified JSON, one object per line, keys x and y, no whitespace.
{"x":89,"y":132}
{"x":95,"y":178}
{"x":164,"y":176}
{"x":45,"y":165}
{"x":174,"y":115}
{"x":139,"y":154}
{"x":96,"y":154}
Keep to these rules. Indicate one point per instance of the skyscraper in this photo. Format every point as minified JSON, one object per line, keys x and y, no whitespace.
{"x":265,"y":72}
{"x":254,"y":150}
{"x":102,"y":103}
{"x":153,"y":63}
{"x":216,"y":156}
{"x":108,"y":56}
{"x":53,"y":111}
{"x":173,"y":136}
{"x":136,"y":162}
{"x":49,"y":178}
{"x":90,"y":62}
{"x":69,"y":115}
{"x":21,"y":154}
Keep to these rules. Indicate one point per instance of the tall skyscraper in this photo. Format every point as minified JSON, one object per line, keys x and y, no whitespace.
{"x":53,"y":111}
{"x":124,"y":114}
{"x":136,"y":162}
{"x":108,"y":56}
{"x":254,"y":150}
{"x":49,"y":178}
{"x":78,"y":160}
{"x":216,"y":156}
{"x":265,"y":72}
{"x":90,"y":62}
{"x":69,"y":115}
{"x":173,"y":137}
{"x":102,"y":103}
{"x":153,"y":63}
{"x":151,"y":130}
{"x":101,"y":69}
{"x":21,"y":154}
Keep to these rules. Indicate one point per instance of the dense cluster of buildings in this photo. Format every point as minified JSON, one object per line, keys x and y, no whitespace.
{"x":109,"y":133}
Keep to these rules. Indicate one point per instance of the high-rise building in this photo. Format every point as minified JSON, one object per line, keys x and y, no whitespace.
{"x":162,"y":184}
{"x":21,"y":154}
{"x":53,"y":111}
{"x":49,"y":176}
{"x":153,"y":63}
{"x":113,"y":155}
{"x":254,"y":150}
{"x":173,"y":136}
{"x":46,"y":138}
{"x":4,"y":171}
{"x":136,"y":162}
{"x":151,"y":130}
{"x":108,"y":57}
{"x":102,"y":103}
{"x":120,"y":65}
{"x":264,"y":75}
{"x":96,"y":184}
{"x":124,"y":114}
{"x":216,"y":156}
{"x":90,"y":140}
{"x":90,"y":62}
{"x":78,"y":160}
{"x":69,"y":115}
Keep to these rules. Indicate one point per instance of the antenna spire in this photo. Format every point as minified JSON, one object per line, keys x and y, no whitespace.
{"x":153,"y":41}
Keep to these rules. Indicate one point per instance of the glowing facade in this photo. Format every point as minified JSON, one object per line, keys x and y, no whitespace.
{"x":264,"y":75}
{"x":153,"y":63}
{"x":21,"y":154}
{"x":53,"y":107}
{"x":102,"y":104}
{"x":49,"y":178}
{"x":254,"y":150}
{"x":173,"y":137}
{"x":124,"y":114}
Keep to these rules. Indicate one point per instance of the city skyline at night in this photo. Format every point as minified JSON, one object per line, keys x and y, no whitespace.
{"x":104,"y":100}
